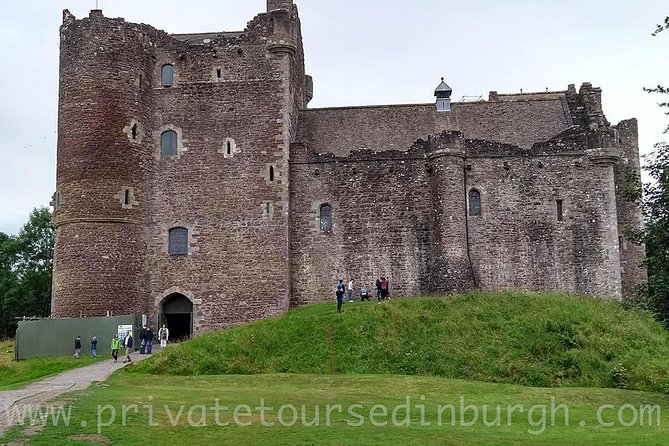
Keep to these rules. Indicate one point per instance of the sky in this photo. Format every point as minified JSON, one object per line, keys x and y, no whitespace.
{"x":359,"y":52}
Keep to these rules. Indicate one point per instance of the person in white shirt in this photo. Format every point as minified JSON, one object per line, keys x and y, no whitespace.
{"x":350,"y":290}
{"x":164,"y":336}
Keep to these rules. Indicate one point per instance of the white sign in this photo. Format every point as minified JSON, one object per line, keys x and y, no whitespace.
{"x":122,"y":329}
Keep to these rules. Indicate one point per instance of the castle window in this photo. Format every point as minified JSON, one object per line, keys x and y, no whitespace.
{"x":326,"y":218}
{"x":168,"y":143}
{"x":126,"y":197}
{"x":167,"y":76}
{"x":141,"y":79}
{"x":229,"y":148}
{"x":558,"y":206}
{"x":218,"y":73}
{"x":271,"y":173}
{"x":474,"y":203}
{"x":178,"y":241}
{"x":133,"y":131}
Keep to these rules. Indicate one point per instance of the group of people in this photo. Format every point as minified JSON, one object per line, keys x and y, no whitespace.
{"x":146,"y":343}
{"x":382,"y":291}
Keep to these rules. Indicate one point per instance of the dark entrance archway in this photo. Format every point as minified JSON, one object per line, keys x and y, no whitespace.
{"x":177,"y":314}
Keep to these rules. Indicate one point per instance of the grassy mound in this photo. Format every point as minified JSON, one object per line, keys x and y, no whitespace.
{"x":530,"y":339}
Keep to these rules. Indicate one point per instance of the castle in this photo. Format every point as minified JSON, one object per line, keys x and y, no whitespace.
{"x":194,"y":184}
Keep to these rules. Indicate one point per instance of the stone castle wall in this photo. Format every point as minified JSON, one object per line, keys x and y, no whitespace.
{"x":404,"y":215}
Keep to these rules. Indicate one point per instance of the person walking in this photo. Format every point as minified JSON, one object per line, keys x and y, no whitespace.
{"x":164,"y":336}
{"x":384,"y":289}
{"x":115,"y":346}
{"x":148,"y":336}
{"x":94,"y":347}
{"x":350,"y":290}
{"x":77,"y":347}
{"x":379,"y":295}
{"x":340,"y":295}
{"x":127,"y":344}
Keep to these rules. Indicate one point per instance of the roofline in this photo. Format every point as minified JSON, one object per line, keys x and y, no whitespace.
{"x":430,"y":104}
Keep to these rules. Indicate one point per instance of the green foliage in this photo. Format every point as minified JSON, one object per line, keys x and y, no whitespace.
{"x":542,"y":340}
{"x":662,"y":26}
{"x":26,"y":262}
{"x":654,"y":296}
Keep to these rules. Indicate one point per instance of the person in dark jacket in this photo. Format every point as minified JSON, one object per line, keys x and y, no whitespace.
{"x":340,"y":294}
{"x":142,"y":340}
{"x":148,"y":340}
{"x":127,"y":344}
{"x":94,"y":347}
{"x":77,"y":347}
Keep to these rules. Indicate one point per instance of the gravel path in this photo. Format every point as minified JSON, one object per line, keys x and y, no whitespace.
{"x":13,"y":402}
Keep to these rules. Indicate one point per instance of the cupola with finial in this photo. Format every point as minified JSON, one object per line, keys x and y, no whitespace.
{"x":443,"y":94}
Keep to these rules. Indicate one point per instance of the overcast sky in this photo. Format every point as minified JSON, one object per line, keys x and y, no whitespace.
{"x":359,"y":52}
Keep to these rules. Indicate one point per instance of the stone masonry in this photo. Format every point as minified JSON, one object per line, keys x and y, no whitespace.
{"x":253,"y":167}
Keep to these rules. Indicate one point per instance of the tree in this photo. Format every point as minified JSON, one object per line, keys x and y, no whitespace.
{"x":7,"y":282}
{"x":26,"y":263}
{"x":655,"y":204}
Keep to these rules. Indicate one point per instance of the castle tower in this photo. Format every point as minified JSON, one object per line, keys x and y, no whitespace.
{"x":605,"y":275}
{"x":102,"y":169}
{"x":627,"y":171}
{"x":450,"y":268}
{"x":173,"y":160}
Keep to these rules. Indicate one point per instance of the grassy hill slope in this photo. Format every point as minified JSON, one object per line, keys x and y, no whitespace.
{"x":541,"y":340}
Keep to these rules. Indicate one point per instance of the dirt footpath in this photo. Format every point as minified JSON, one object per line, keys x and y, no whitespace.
{"x":39,"y":393}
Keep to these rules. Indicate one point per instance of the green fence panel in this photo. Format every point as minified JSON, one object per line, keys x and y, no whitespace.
{"x":55,"y":337}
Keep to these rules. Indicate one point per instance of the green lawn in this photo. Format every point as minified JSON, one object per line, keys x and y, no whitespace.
{"x":159,"y":392}
{"x":14,"y":373}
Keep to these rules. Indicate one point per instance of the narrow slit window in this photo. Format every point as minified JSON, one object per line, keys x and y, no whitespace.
{"x":559,"y":210}
{"x":271,"y":173}
{"x":134,"y":131}
{"x":141,"y":79}
{"x":621,"y":242}
{"x":168,"y":143}
{"x":218,"y":73}
{"x":178,"y":241}
{"x":229,"y":148}
{"x":167,"y":76}
{"x":326,"y":218}
{"x":126,"y":197}
{"x":474,"y":203}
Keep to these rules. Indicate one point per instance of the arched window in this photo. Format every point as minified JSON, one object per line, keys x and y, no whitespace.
{"x":168,"y":143}
{"x":326,"y":218}
{"x":167,"y":75}
{"x":178,"y":244}
{"x":474,"y":203}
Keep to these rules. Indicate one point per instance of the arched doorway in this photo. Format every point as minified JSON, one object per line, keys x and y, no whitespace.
{"x":177,"y":314}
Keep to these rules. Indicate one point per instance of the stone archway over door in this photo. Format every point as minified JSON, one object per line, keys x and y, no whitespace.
{"x":176,"y":313}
